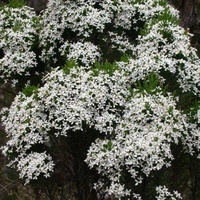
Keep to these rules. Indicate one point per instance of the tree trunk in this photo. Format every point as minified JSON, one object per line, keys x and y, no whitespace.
{"x":188,"y":13}
{"x":38,"y":5}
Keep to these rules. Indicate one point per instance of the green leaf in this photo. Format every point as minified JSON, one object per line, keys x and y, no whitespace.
{"x":16,"y":3}
{"x":29,"y":90}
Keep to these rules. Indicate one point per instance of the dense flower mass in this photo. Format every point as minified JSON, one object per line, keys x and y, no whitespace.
{"x":166,"y":46}
{"x":141,"y":141}
{"x":162,"y":46}
{"x":65,"y":103}
{"x":18,"y":31}
{"x":33,"y":165}
{"x":107,"y":68}
{"x":86,"y":53}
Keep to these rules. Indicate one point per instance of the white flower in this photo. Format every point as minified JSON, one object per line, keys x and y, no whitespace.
{"x":18,"y":31}
{"x":198,"y":116}
{"x":137,"y":126}
{"x":84,"y":52}
{"x":141,"y":139}
{"x":164,"y":194}
{"x":33,"y":165}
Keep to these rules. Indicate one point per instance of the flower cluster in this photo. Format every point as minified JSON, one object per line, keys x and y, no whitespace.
{"x":18,"y":31}
{"x":33,"y":165}
{"x":65,"y":103}
{"x":166,"y":47}
{"x":162,"y":46}
{"x":192,"y":141}
{"x":142,"y":140}
{"x":96,"y":90}
{"x":67,"y":22}
{"x":163,"y":193}
{"x":27,"y":113}
{"x":23,"y":138}
{"x":139,"y":127}
{"x":85,"y":53}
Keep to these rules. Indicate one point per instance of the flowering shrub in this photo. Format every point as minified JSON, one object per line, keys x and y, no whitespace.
{"x":164,"y":46}
{"x":18,"y":32}
{"x":65,"y":102}
{"x":114,"y":69}
{"x":141,"y":141}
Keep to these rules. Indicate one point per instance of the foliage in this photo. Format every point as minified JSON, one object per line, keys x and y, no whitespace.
{"x":16,"y":3}
{"x":100,"y":97}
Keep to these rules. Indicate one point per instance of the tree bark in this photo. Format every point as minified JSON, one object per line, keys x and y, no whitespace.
{"x":38,"y":5}
{"x":188,"y":13}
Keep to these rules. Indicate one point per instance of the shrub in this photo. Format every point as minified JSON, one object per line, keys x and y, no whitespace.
{"x":120,"y":79}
